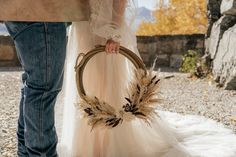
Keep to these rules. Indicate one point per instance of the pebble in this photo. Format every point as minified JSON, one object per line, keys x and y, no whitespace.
{"x":184,"y":95}
{"x":180,"y":94}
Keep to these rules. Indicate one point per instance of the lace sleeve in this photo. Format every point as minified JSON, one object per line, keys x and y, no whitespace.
{"x":108,"y":18}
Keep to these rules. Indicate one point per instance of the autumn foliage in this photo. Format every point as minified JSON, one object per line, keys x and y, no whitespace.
{"x":179,"y":17}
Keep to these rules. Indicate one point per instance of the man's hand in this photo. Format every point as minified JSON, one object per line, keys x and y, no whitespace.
{"x":112,"y":46}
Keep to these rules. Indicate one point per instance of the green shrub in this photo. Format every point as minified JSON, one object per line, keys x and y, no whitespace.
{"x":190,"y":60}
{"x":193,"y":63}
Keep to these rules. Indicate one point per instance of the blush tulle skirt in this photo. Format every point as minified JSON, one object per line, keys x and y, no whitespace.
{"x":107,"y":76}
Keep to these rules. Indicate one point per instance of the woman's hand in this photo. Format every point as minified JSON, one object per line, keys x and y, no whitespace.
{"x":112,"y":46}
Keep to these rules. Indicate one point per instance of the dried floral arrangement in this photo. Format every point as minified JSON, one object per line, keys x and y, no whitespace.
{"x":141,"y":103}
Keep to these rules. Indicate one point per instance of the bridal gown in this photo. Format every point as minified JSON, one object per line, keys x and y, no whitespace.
{"x":107,"y":76}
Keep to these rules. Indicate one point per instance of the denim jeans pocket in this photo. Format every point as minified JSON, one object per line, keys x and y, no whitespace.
{"x":15,"y":28}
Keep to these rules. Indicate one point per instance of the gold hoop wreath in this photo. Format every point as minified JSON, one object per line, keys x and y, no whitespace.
{"x":141,"y":100}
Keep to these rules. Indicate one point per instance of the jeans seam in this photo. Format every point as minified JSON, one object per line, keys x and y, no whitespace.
{"x":40,"y":116}
{"x":47,"y":55}
{"x":46,"y":79}
{"x":48,"y":58}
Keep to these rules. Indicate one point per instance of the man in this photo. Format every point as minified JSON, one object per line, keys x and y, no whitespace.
{"x":41,"y":49}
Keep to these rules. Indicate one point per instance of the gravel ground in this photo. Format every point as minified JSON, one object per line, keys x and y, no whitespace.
{"x":179,"y":93}
{"x":186,"y":95}
{"x":9,"y":100}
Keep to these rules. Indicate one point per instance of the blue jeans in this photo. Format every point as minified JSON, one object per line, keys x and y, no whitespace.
{"x":41,"y":49}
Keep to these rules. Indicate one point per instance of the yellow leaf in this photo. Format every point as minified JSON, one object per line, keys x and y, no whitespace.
{"x":180,"y":17}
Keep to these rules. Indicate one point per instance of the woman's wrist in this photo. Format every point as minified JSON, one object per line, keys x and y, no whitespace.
{"x":114,"y":33}
{"x":115,"y":37}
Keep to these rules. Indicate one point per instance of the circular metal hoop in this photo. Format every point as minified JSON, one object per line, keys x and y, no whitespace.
{"x":79,"y":66}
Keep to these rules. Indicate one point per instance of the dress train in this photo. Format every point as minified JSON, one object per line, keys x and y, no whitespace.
{"x":107,"y":77}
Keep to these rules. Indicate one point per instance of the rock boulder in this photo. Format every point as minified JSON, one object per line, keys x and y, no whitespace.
{"x":222,"y":46}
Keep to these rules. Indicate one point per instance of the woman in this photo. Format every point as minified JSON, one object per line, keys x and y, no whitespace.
{"x":106,"y":76}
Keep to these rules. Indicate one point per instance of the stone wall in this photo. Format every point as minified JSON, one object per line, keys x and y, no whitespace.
{"x":220,"y":45}
{"x":8,"y":55}
{"x":169,"y":49}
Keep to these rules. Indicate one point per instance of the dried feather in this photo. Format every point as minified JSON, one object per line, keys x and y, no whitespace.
{"x":141,"y":100}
